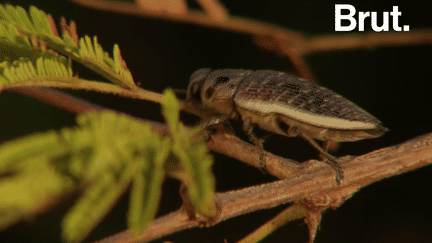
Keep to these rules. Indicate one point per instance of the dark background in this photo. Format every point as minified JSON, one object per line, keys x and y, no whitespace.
{"x":392,"y":83}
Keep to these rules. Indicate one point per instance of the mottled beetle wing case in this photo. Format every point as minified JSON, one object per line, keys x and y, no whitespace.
{"x":278,"y":92}
{"x":283,"y":104}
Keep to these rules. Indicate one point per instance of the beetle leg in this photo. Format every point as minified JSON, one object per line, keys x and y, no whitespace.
{"x":248,"y":129}
{"x":214,"y":121}
{"x":228,"y":128}
{"x":330,"y":160}
{"x":264,"y":138}
{"x":326,"y":145}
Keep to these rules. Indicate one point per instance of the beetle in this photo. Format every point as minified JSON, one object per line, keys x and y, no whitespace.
{"x":282,"y":104}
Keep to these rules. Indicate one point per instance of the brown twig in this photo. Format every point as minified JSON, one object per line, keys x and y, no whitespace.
{"x":170,"y":6}
{"x":59,"y":99}
{"x":215,"y":9}
{"x":311,"y":183}
{"x":76,"y":105}
{"x":367,"y":41}
{"x":232,"y":146}
{"x":237,"y":24}
{"x":291,"y":44}
{"x":220,"y":142}
{"x":218,"y":19}
{"x":38,"y":88}
{"x":314,"y":187}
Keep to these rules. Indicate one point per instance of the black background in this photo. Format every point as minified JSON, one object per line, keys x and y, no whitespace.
{"x":392,"y":83}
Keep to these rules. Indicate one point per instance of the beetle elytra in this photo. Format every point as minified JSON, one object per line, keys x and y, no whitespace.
{"x":282,"y":104}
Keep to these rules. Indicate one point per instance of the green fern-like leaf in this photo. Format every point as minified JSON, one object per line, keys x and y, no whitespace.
{"x":15,"y":45}
{"x":36,"y":183}
{"x":104,"y":155}
{"x":74,"y":157}
{"x":95,"y":203}
{"x":18,"y":32}
{"x":194,"y":158}
{"x":56,"y":68}
{"x":146,"y":187}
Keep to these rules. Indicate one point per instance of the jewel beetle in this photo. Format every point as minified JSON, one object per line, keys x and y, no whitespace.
{"x":282,"y":104}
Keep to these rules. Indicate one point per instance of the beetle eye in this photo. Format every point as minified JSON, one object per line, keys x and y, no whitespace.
{"x":221,"y":80}
{"x":209,"y":92}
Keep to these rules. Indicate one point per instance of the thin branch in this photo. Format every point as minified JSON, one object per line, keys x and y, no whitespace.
{"x":59,"y":99}
{"x":223,"y":143}
{"x":311,"y":183}
{"x":367,"y":41}
{"x":170,"y":6}
{"x":295,"y":211}
{"x":76,"y":105}
{"x":315,"y":186}
{"x":232,"y":146}
{"x":292,"y":44}
{"x":141,"y":94}
{"x":237,"y":24}
{"x":232,"y":23}
{"x":214,"y":8}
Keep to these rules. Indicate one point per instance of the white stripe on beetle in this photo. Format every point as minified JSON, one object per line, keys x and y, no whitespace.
{"x":304,"y":116}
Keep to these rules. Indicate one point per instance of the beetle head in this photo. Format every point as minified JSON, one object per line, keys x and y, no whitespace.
{"x":196,"y":82}
{"x":215,"y":90}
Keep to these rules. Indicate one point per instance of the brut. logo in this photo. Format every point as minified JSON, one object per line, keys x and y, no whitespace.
{"x":362,"y":17}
